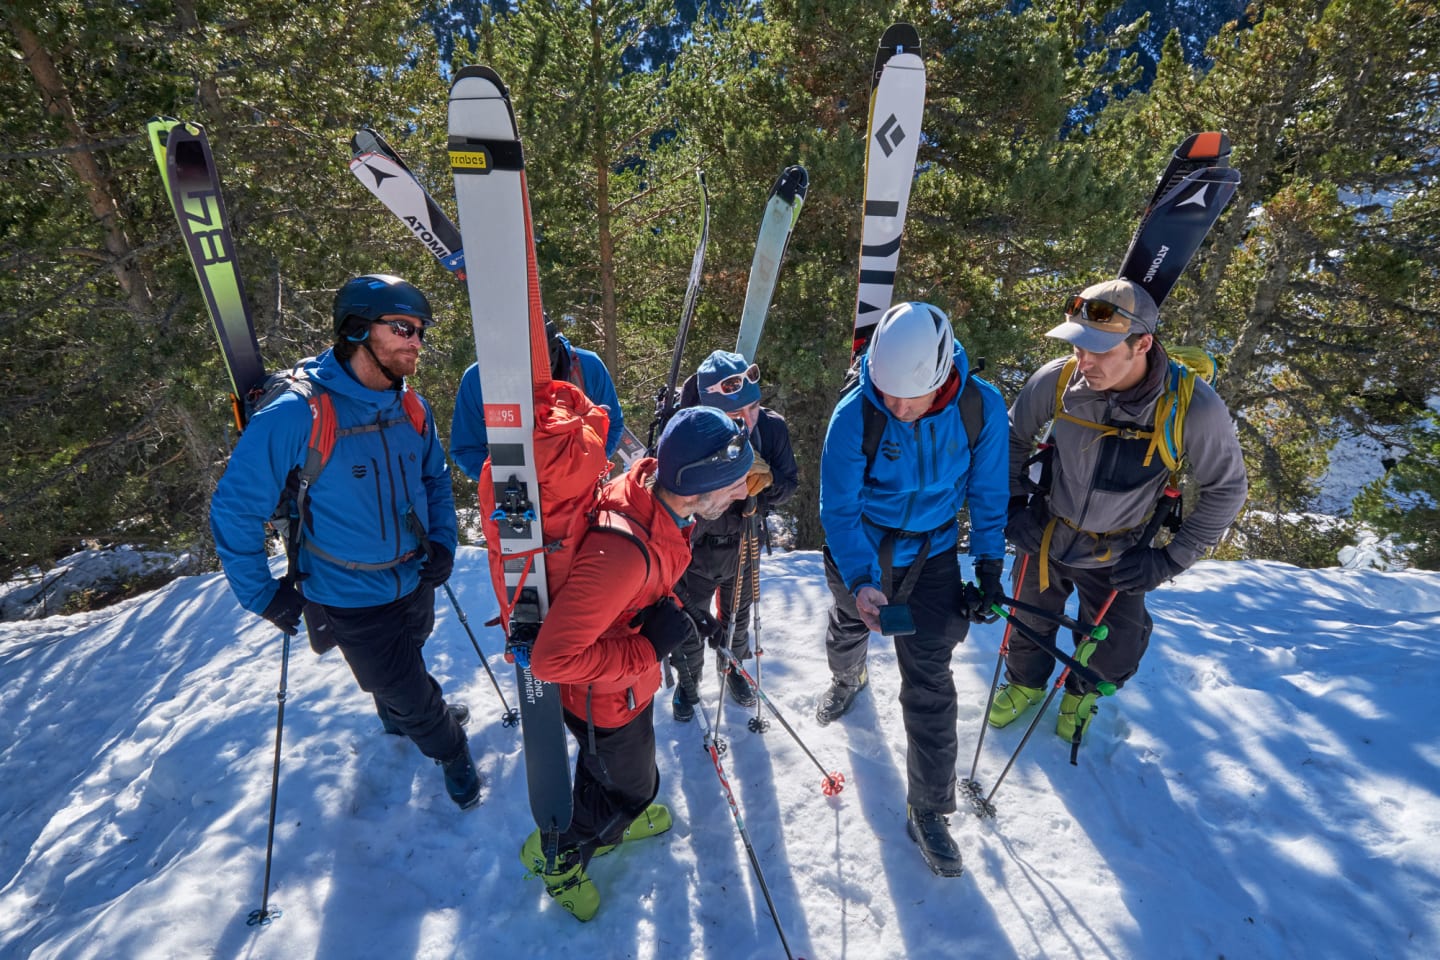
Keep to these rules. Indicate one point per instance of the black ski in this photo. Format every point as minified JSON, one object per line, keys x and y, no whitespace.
{"x":1189,"y":197}
{"x":665,"y":400}
{"x":192,"y":184}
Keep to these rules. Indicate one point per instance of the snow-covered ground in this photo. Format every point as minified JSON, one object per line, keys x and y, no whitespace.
{"x":1266,"y":787}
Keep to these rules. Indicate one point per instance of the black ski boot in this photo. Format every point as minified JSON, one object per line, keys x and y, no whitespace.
{"x":929,"y":829}
{"x":740,"y":690}
{"x":839,"y":698}
{"x":683,"y":705}
{"x":462,"y":781}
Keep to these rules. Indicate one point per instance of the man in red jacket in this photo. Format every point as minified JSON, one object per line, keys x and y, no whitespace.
{"x":610,"y":627}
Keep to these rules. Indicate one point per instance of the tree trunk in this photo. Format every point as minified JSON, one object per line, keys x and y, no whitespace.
{"x":103,"y":204}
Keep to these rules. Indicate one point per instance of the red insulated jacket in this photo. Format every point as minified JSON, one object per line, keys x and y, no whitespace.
{"x":606,"y":670}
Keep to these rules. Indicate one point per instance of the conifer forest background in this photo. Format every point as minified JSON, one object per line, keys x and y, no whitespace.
{"x":1046,"y":125}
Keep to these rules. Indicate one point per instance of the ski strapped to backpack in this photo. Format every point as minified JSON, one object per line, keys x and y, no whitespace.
{"x":289,"y":519}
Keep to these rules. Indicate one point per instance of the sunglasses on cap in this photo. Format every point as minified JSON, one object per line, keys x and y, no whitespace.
{"x":1101,"y":314}
{"x":732,"y":384}
{"x":404,"y":329}
{"x":726,"y":454}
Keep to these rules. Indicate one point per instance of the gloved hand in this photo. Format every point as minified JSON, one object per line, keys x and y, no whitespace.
{"x":284,"y":608}
{"x":707,"y":627}
{"x":437,"y":567}
{"x":991,"y":591}
{"x":666,"y":626}
{"x":1142,"y":569}
{"x":1026,"y":525}
{"x":759,"y":477}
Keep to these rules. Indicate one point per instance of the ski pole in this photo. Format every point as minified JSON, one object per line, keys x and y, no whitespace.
{"x":745,"y":837}
{"x":511,"y":717}
{"x":971,"y":785}
{"x":834,"y":780}
{"x":758,"y":723}
{"x":264,"y":915}
{"x":1094,"y":631}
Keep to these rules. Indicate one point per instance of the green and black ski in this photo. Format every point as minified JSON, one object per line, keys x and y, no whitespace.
{"x":187,"y":167}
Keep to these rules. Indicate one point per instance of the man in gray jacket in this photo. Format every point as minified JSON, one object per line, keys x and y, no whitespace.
{"x":1076,"y":526}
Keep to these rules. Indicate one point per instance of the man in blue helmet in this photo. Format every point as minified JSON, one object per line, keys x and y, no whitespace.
{"x":889,"y":513}
{"x":374,"y":532}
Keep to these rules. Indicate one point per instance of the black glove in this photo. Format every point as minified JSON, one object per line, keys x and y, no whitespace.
{"x":991,"y":591}
{"x":666,"y":626}
{"x":1142,"y":569}
{"x":284,"y":608}
{"x":1026,"y":525}
{"x":707,"y":627}
{"x":437,"y":567}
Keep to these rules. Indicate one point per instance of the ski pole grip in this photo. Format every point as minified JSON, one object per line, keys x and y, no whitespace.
{"x":1168,"y":499}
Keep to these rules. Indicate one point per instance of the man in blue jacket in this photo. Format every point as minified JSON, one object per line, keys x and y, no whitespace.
{"x":469,"y":445}
{"x":376,"y":527}
{"x":891,"y":536}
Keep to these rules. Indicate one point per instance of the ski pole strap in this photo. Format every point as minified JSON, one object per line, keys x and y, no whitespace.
{"x":1096,"y":631}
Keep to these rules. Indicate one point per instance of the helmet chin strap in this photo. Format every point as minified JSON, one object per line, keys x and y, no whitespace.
{"x":394,"y":379}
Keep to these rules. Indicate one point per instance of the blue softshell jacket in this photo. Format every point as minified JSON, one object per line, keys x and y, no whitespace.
{"x":921,"y":477}
{"x":359,"y":506}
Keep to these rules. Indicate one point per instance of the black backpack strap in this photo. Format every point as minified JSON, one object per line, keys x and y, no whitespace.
{"x":972,"y":409}
{"x":873,"y":419}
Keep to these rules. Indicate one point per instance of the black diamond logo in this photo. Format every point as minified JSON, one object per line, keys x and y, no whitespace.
{"x":889,"y":135}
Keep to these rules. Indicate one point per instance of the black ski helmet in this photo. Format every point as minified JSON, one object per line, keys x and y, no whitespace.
{"x":371,"y":297}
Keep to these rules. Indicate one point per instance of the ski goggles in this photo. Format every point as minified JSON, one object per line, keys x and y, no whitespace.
{"x":732,"y":384}
{"x":1100,"y":314}
{"x":726,"y":454}
{"x":405,"y":329}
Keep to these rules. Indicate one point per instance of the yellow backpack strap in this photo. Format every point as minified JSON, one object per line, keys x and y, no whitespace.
{"x":1066,"y":373}
{"x":1168,"y":438}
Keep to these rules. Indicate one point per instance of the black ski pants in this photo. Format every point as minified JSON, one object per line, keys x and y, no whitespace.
{"x":382,"y":645}
{"x":1116,"y":658}
{"x":927,"y":687}
{"x":615,"y":780}
{"x":713,"y":567}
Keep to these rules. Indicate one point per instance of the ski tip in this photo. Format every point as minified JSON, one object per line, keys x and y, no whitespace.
{"x":476,"y":71}
{"x":1207,"y":145}
{"x":900,"y":38}
{"x":792,"y":184}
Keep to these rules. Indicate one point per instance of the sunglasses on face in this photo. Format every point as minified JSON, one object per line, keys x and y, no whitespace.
{"x":404,"y":329}
{"x":1100,"y":313}
{"x":726,"y":454}
{"x":732,"y":384}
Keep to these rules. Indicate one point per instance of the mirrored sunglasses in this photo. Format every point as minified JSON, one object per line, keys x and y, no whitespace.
{"x":1100,"y":313}
{"x":732,"y":384}
{"x":404,"y":329}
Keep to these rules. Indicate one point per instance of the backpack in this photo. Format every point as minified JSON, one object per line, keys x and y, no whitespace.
{"x":1167,"y":435}
{"x":289,"y":518}
{"x":969,"y":400}
{"x":570,"y":466}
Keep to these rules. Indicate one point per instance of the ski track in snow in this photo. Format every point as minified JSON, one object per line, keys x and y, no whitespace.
{"x":1265,"y":787}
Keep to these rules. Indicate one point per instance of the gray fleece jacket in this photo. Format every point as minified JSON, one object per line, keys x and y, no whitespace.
{"x":1099,"y":488}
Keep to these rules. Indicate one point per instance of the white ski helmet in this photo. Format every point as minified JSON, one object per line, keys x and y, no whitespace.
{"x":912,"y":350}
